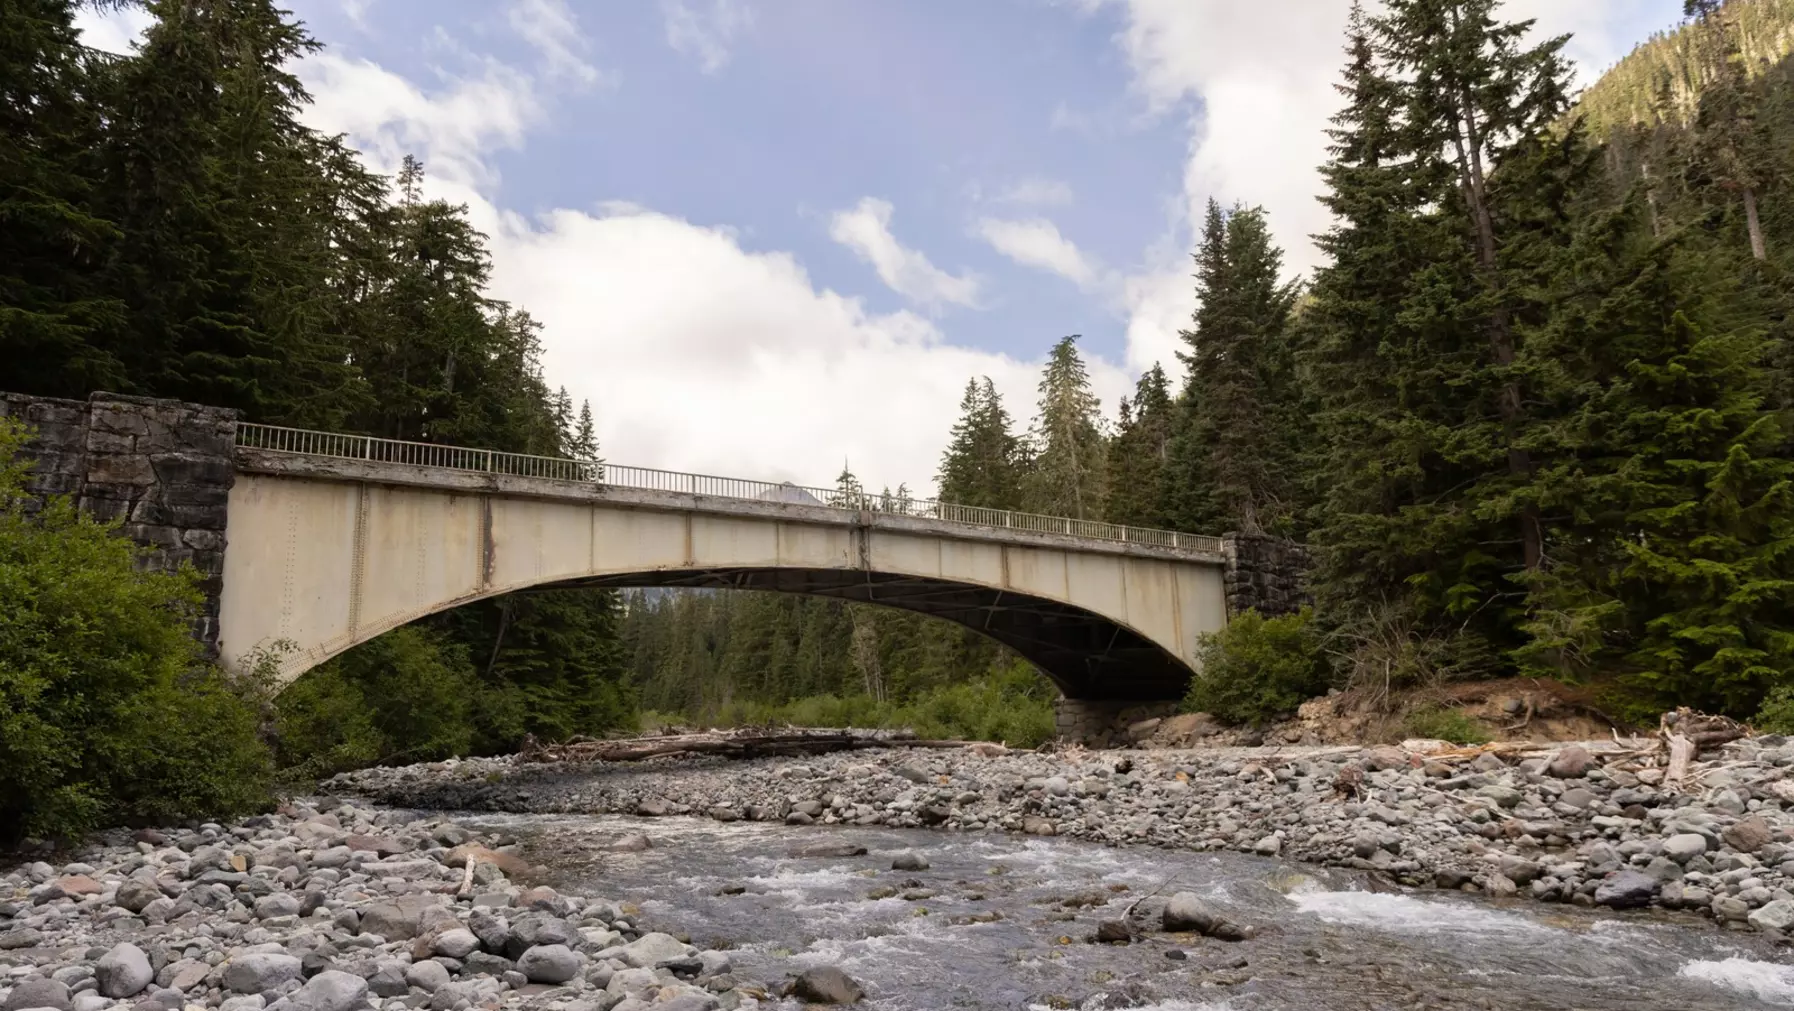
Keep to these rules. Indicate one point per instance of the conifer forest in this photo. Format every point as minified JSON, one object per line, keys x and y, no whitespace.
{"x":1532,"y":417}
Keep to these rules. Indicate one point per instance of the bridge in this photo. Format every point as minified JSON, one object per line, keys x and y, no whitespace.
{"x":314,"y":542}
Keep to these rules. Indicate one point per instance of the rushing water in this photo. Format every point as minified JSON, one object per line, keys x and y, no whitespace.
{"x":1331,"y":940}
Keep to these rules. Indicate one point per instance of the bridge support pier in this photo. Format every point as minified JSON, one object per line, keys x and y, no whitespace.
{"x":1103,"y":723}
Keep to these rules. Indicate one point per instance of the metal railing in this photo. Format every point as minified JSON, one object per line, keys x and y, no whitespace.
{"x":274,"y":438}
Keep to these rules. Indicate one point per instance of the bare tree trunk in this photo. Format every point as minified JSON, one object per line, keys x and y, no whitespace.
{"x":1756,"y":227}
{"x":1651,"y":199}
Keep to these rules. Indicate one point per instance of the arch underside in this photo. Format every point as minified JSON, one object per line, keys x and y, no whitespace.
{"x":1085,"y":654}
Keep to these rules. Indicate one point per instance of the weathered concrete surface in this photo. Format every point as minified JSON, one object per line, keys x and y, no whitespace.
{"x":161,"y":467}
{"x":326,"y":553}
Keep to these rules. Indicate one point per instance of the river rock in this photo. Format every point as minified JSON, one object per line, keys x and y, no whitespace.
{"x":259,"y":971}
{"x":548,"y":963}
{"x":1572,"y":762}
{"x":632,"y":842}
{"x":1684,"y":846}
{"x":1186,"y":911}
{"x":909,"y":860}
{"x":1626,"y":890}
{"x":651,"y":949}
{"x":532,"y":929}
{"x":330,"y":990}
{"x":1748,"y":836}
{"x":39,"y":992}
{"x":457,"y":943}
{"x":427,"y":976}
{"x":123,"y":971}
{"x":135,"y":893}
{"x":490,"y":928}
{"x":278,"y":904}
{"x":1777,"y":915}
{"x":826,"y":984}
{"x":1269,"y":846}
{"x":1036,"y":825}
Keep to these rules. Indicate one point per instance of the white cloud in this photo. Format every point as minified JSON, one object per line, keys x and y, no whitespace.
{"x":705,"y":32}
{"x":697,"y":354}
{"x":866,"y":229}
{"x":553,"y":30}
{"x":112,"y":31}
{"x":1036,"y":242}
{"x":1035,"y":190}
{"x":357,"y":12}
{"x":455,"y":131}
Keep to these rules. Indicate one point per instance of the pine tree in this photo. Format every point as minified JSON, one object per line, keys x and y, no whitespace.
{"x":1726,"y":126}
{"x":55,"y":312}
{"x":1139,"y":453}
{"x":1067,"y":476}
{"x":1234,"y":452}
{"x":1453,"y":185}
{"x":984,"y":461}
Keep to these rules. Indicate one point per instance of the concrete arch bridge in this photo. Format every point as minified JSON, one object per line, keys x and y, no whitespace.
{"x":319,"y":541}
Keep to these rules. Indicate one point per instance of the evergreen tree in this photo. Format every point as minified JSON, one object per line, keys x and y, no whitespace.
{"x":984,"y":461}
{"x":55,"y":312}
{"x":1726,"y":125}
{"x":1067,"y":476}
{"x":1453,"y":184}
{"x":1139,"y":453}
{"x":1238,"y":435}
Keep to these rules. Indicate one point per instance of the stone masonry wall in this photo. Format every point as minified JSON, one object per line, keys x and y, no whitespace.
{"x":1266,"y":574}
{"x":1098,"y":723}
{"x":162,"y":467}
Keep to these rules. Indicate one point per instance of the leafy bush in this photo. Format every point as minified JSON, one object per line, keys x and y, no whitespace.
{"x":405,"y":696}
{"x":1257,"y":668}
{"x":1012,"y":704}
{"x":1777,"y":713}
{"x":107,"y":711}
{"x":1446,"y":725}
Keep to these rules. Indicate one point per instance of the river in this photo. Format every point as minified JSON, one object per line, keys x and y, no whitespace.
{"x":998,"y":932}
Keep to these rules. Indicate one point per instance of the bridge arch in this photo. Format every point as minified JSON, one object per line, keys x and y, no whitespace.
{"x":325,"y":552}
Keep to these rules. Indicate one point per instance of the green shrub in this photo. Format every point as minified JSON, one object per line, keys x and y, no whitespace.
{"x":107,"y":711}
{"x":406,"y":696}
{"x":1446,"y":725}
{"x":1257,"y":668}
{"x":1776,"y":716}
{"x":1012,"y":704}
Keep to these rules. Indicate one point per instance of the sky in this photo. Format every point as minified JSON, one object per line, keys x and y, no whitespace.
{"x":773,"y":238}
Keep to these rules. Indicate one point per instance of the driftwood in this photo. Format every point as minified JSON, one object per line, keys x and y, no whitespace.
{"x":739,"y":744}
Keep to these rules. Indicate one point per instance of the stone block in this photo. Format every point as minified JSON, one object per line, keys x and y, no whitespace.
{"x":120,"y":468}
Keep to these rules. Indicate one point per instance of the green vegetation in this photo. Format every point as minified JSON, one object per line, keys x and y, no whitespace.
{"x":1445,"y":725}
{"x":107,"y":711}
{"x":1534,"y":415}
{"x":1258,"y":669}
{"x":1012,"y":705}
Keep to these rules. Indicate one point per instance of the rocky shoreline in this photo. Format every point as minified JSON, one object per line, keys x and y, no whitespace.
{"x":1589,"y":824}
{"x":338,"y":907}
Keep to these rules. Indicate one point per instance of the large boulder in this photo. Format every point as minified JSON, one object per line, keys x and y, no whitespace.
{"x":1776,"y":915}
{"x":826,"y":984}
{"x":1684,"y":846}
{"x":651,"y":949}
{"x":549,"y":963}
{"x":1748,"y":835}
{"x":1627,"y":890}
{"x":428,"y":975}
{"x":330,"y":990}
{"x":123,"y":972}
{"x":260,"y":971}
{"x":457,"y":943}
{"x":136,"y":893}
{"x":1186,"y":911}
{"x":532,"y":929}
{"x":40,"y":992}
{"x":1572,"y":762}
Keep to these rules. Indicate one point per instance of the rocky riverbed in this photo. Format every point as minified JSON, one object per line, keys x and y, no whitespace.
{"x":1592,"y":824}
{"x":337,"y":909}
